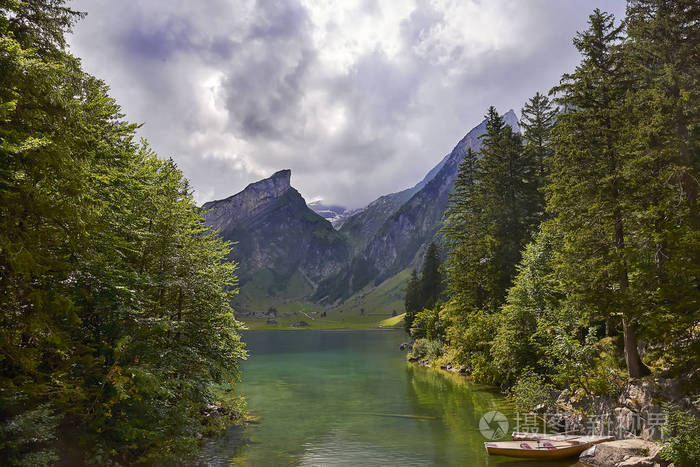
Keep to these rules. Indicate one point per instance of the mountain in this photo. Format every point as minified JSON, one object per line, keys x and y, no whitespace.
{"x":361,"y":226}
{"x":289,"y":251}
{"x":393,"y":237}
{"x":280,"y":241}
{"x":334,"y":214}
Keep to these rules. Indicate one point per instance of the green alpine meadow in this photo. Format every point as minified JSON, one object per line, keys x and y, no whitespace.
{"x":386,"y":233}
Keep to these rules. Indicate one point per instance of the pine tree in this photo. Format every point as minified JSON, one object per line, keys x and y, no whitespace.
{"x":587,"y":186}
{"x":431,"y":278}
{"x":459,"y":232}
{"x":506,"y":195}
{"x":660,"y":139}
{"x":538,"y":117}
{"x":412,"y":301}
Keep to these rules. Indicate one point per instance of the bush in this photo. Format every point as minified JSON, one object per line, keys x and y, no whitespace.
{"x":682,"y":434}
{"x":427,"y":324}
{"x":425,"y":348}
{"x":531,"y":390}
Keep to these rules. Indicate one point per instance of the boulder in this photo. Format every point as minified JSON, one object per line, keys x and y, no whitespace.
{"x":300,"y":324}
{"x":626,"y":452}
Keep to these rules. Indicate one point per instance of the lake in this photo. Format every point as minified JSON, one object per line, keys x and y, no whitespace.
{"x":350,"y":398}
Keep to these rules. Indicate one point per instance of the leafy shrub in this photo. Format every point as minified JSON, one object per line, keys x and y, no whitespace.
{"x":427,"y":324}
{"x":426,"y":348}
{"x":24,"y":437}
{"x":531,"y":390}
{"x":587,"y":365}
{"x":682,"y":434}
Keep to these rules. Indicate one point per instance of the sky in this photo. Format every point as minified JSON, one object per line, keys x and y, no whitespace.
{"x":357,"y":98}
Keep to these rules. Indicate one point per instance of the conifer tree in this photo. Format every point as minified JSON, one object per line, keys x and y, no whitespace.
{"x":506,"y":195}
{"x":537,"y":120}
{"x":460,"y":218}
{"x":412,"y":301}
{"x":661,"y":141}
{"x":431,"y":278}
{"x":587,"y":186}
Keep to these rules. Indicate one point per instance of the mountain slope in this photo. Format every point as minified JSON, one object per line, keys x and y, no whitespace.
{"x":278,"y":235}
{"x":397,"y":243}
{"x":364,"y":224}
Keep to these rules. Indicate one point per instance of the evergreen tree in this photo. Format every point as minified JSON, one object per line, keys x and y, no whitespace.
{"x":586,"y":192}
{"x":537,"y":120}
{"x":431,"y":278}
{"x":114,"y":311}
{"x":661,"y":139}
{"x":412,"y":301}
{"x":459,"y":222}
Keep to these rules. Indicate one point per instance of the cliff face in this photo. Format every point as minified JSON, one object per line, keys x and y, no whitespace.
{"x":405,"y":232}
{"x":278,"y":234}
{"x":275,"y":230}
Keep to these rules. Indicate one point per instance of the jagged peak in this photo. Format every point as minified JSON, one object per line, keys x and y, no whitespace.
{"x":511,"y":119}
{"x":278,"y":182}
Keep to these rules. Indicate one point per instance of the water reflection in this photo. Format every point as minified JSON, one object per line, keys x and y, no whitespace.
{"x":350,"y":398}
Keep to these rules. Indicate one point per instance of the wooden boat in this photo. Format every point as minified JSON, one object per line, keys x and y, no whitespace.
{"x":524,"y":436}
{"x":538,"y":449}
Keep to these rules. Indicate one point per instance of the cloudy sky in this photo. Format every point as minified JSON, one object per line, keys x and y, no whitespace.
{"x":358,"y":98}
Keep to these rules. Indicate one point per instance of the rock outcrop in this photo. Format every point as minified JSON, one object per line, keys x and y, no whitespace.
{"x":624,"y":453}
{"x":276,"y":233}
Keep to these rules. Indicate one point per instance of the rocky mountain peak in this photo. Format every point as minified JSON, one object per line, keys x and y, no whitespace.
{"x":255,"y":199}
{"x":511,"y":119}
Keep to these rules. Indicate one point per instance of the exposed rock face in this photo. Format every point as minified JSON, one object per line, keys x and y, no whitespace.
{"x":636,"y":413}
{"x":278,"y":234}
{"x":275,"y":230}
{"x":257,"y":198}
{"x":403,"y":233}
{"x":626,"y":452}
{"x":361,"y":227}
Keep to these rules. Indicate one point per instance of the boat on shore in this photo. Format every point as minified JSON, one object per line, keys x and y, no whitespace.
{"x":543,"y":445}
{"x":593,"y":439}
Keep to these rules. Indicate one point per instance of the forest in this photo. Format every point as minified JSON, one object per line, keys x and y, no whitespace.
{"x":118,"y":342}
{"x":573,"y":249}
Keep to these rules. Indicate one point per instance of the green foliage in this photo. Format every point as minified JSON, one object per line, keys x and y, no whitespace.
{"x":531,"y":391}
{"x":431,"y":279}
{"x":682,"y":437}
{"x":425,"y":291}
{"x":583,"y":364}
{"x":538,"y":117}
{"x":619,"y":242}
{"x":533,"y":305}
{"x":427,"y":324}
{"x":426,"y":348}
{"x":492,"y":214}
{"x":115,"y":306}
{"x":24,"y":436}
{"x":412,"y":301}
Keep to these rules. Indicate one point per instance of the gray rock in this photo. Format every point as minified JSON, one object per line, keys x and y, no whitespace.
{"x":628,"y":453}
{"x":277,"y":234}
{"x":300,"y":324}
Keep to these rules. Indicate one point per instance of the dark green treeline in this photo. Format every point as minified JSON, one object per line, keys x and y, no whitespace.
{"x":573,"y":251}
{"x":115,"y":322}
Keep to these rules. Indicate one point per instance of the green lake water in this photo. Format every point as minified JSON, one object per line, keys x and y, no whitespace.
{"x":350,"y":398}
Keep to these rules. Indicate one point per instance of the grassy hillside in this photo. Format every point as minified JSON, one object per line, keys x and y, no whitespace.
{"x":371,"y":308}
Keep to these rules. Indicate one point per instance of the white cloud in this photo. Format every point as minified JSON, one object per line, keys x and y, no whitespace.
{"x":358,"y":98}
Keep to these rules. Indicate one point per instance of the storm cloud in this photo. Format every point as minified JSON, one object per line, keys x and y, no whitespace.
{"x":359,"y":99}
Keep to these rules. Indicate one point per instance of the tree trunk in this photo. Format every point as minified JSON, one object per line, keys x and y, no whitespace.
{"x":635,"y":367}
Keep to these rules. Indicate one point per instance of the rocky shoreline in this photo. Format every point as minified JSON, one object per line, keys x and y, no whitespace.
{"x":634,"y":417}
